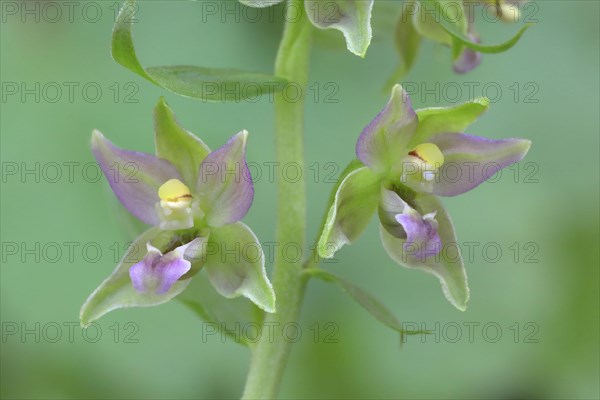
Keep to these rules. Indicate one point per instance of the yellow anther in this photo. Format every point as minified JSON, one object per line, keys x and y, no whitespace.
{"x":509,"y":13}
{"x":174,"y":190}
{"x":429,"y":153}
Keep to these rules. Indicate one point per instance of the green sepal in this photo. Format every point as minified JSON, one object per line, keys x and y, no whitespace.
{"x":176,"y":144}
{"x":260,"y":3}
{"x":433,"y":15}
{"x":352,"y":18}
{"x":351,"y":205}
{"x":235,"y":265}
{"x":435,"y":120}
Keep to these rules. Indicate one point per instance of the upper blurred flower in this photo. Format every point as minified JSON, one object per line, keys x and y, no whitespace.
{"x":195,"y":199}
{"x":352,"y":18}
{"x":451,"y":23}
{"x":406,"y":158}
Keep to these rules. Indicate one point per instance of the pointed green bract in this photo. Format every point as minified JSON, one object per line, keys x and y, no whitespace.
{"x":209,"y":84}
{"x":117,"y":290}
{"x":235,"y":265}
{"x":350,"y":210}
{"x":447,"y":265}
{"x":351,"y":17}
{"x":365,"y":300}
{"x":489,"y":49}
{"x":436,"y":120}
{"x":174,"y":143}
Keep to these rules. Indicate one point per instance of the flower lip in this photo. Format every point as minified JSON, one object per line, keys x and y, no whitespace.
{"x":422,"y":238}
{"x":157,"y":272}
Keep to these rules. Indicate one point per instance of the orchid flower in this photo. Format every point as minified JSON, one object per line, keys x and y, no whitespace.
{"x":405,"y":159}
{"x":507,"y":11}
{"x":195,"y":199}
{"x":451,"y":23}
{"x":352,"y":18}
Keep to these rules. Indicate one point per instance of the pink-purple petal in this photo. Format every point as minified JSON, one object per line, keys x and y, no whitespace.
{"x":224,"y":183}
{"x":157,"y":272}
{"x":139,"y":271}
{"x":471,"y":160}
{"x":422,"y":239}
{"x":133,"y":176}
{"x":447,"y":264}
{"x":383,"y":139}
{"x":468,"y":59}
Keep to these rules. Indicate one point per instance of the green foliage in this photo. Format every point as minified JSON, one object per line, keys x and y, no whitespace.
{"x":365,"y":300}
{"x":209,"y":84}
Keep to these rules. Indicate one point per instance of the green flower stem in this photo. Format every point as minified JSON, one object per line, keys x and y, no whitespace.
{"x":271,"y":353}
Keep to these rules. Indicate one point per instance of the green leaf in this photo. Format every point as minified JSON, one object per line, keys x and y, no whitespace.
{"x":174,"y":143}
{"x":498,"y":48}
{"x":352,"y":18}
{"x":447,"y":265}
{"x":118,"y":292}
{"x":235,"y":265}
{"x":209,"y":84}
{"x":351,"y":207}
{"x":365,"y":300}
{"x":436,"y":120}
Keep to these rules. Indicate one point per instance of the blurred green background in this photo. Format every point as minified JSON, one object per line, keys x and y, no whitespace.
{"x":544,"y":298}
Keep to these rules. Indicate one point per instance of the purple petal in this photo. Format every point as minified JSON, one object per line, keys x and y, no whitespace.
{"x":134,"y":177}
{"x":469,"y":58}
{"x":399,"y":219}
{"x":447,"y":265}
{"x":471,"y":160}
{"x":384,"y":138}
{"x":422,"y":239}
{"x":224,"y":183}
{"x":157,"y":272}
{"x":140,"y":270}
